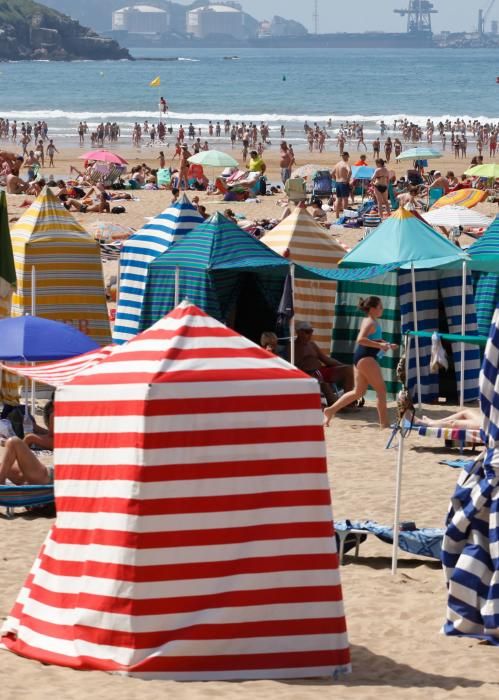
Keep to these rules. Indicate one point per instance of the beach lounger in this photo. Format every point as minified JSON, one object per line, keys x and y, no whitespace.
{"x":12,"y":497}
{"x":424,"y":542}
{"x":449,"y":435}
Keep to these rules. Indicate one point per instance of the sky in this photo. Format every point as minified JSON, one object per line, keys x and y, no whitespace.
{"x":454,"y":15}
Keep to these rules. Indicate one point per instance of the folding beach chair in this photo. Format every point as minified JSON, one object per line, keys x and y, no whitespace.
{"x":26,"y":496}
{"x":322,"y":184}
{"x":296,"y":189}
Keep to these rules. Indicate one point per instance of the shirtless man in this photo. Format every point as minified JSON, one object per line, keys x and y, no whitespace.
{"x":342,"y":174}
{"x":380,"y":180}
{"x":311,"y":360}
{"x":14,"y":184}
{"x":440,"y":182}
{"x":285,"y":162}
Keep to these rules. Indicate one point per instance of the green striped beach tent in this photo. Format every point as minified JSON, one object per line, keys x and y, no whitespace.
{"x":224,"y":271}
{"x":484,"y":254}
{"x":406,"y":239}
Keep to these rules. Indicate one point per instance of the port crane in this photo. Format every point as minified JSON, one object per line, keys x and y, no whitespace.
{"x":419,"y":15}
{"x":482,"y":17}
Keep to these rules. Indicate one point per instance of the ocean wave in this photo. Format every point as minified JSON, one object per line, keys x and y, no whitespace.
{"x":201,"y":117}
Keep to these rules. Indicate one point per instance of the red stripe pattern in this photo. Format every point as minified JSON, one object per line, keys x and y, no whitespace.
{"x":194,"y":537}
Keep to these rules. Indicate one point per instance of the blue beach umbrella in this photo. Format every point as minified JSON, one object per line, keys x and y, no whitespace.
{"x":35,"y":339}
{"x":362,"y":172}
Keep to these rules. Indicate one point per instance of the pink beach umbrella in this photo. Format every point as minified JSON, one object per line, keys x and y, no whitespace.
{"x":104,"y":156}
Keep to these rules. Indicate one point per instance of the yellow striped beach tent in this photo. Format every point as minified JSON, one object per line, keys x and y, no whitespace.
{"x":69,"y":279}
{"x":301,"y":239}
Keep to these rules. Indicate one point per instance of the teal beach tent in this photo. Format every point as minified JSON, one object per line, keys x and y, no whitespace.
{"x":406,"y":239}
{"x":225,"y":271}
{"x":484,"y":254}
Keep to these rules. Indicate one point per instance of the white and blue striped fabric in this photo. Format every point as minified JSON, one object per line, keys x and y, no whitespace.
{"x":137,"y":254}
{"x":435,"y":288}
{"x":470,"y":550}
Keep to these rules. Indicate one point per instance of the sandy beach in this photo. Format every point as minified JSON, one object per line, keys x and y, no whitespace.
{"x":394,"y":622}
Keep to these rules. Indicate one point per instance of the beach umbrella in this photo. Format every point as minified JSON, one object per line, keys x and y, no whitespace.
{"x":104,"y":156}
{"x":307,"y":171}
{"x":467,"y":197}
{"x":109,"y":231}
{"x":362,"y":172}
{"x":213,"y":159}
{"x":455,"y":215}
{"x":36,"y":339}
{"x":470,"y":548}
{"x":488,"y":170}
{"x":419,"y":153}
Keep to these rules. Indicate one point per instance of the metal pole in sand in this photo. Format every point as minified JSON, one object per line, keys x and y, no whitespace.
{"x":416,"y":339}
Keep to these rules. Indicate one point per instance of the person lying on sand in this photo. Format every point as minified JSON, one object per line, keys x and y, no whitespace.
{"x":466,"y":419}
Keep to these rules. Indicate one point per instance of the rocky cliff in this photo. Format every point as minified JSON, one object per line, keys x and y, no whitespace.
{"x":29,"y":30}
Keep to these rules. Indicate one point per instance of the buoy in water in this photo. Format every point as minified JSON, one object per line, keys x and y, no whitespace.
{"x":284,"y":78}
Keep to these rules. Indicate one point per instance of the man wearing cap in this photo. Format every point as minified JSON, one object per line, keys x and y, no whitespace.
{"x":310,"y":359}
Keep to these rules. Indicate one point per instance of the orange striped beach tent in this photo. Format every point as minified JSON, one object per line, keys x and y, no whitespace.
{"x":68,"y":267}
{"x":194,"y":537}
{"x":301,"y":239}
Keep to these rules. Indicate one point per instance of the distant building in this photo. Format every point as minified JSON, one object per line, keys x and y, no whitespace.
{"x":141,"y":19}
{"x":217,"y":19}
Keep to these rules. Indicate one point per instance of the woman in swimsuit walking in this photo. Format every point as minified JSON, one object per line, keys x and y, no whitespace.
{"x":370,"y":345}
{"x":380,"y":180}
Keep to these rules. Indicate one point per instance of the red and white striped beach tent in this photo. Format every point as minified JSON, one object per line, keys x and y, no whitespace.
{"x":194,"y":537}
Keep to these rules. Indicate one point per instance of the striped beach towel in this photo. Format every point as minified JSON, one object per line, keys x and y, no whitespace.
{"x":470,"y":551}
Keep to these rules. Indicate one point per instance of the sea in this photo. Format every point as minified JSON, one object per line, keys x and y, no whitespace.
{"x":280,"y":87}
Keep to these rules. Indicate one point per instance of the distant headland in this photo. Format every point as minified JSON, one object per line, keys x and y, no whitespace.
{"x":30,"y":31}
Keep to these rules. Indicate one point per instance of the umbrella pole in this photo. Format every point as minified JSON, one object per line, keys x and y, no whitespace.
{"x":292,"y":320}
{"x":463,"y":333}
{"x":177,"y":286}
{"x":33,"y":313}
{"x":416,"y":339}
{"x":398,"y":481}
{"x":398,"y":495}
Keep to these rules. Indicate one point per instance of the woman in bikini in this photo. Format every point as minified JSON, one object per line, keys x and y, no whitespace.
{"x":380,"y":180}
{"x":367,"y":372}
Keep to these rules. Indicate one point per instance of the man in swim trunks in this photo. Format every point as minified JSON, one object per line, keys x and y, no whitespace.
{"x":311,"y":360}
{"x":342,"y":174}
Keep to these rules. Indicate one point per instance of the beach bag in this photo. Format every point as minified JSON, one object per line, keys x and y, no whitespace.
{"x":118,"y":210}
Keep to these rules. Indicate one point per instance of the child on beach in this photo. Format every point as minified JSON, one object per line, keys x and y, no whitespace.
{"x":369,"y":349}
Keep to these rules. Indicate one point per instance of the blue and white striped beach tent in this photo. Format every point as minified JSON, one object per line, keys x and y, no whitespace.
{"x":470,"y":550}
{"x":137,"y":254}
{"x":406,"y":239}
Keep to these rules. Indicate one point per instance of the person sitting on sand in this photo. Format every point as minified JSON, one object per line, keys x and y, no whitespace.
{"x":410,"y":200}
{"x":21,"y":466}
{"x":43,"y":437}
{"x":90,"y":203}
{"x":311,"y":360}
{"x":15,"y":185}
{"x":318,"y":212}
{"x":36,"y":187}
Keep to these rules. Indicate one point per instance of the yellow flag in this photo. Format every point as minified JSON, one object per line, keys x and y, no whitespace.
{"x":156,"y":82}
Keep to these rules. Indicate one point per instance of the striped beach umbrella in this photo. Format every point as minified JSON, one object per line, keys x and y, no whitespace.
{"x":456,"y":215}
{"x":470,"y":550}
{"x":137,"y":254}
{"x":69,"y":280}
{"x":194,"y":538}
{"x":468,"y":198}
{"x":302,"y":240}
